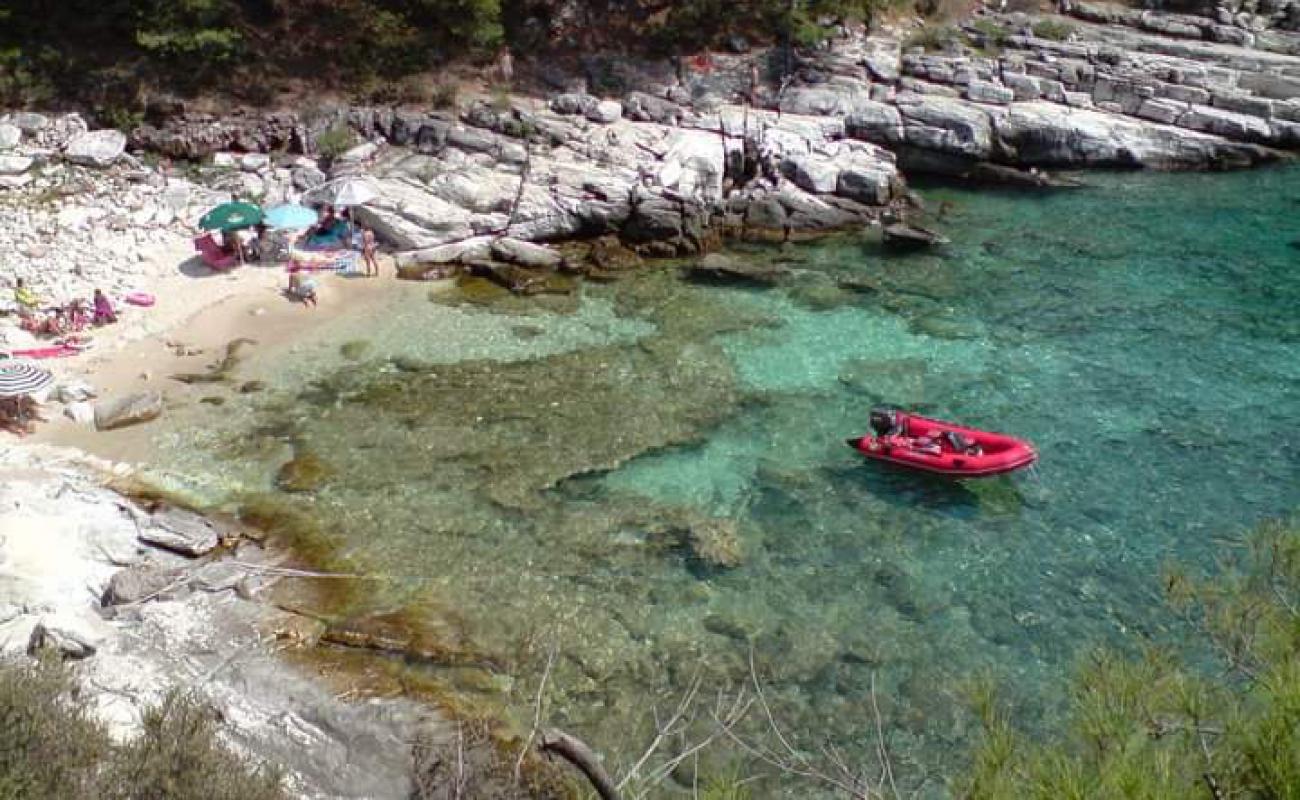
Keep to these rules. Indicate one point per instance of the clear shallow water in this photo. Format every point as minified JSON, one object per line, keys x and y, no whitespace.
{"x":531,"y":477}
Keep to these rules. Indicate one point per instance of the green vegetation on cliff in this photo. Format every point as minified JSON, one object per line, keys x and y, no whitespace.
{"x":118,"y":55}
{"x":51,"y":748}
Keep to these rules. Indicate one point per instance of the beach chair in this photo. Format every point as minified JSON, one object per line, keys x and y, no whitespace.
{"x":212,"y":254}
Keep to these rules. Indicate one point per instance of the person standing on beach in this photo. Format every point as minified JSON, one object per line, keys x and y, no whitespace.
{"x":368,"y":250}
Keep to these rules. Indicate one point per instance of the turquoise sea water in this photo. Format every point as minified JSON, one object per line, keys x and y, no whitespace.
{"x":555,"y":474}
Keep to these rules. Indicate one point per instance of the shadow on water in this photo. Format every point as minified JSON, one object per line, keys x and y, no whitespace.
{"x":902,"y":487}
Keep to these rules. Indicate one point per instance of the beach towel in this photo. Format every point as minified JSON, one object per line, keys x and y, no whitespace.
{"x":212,"y":253}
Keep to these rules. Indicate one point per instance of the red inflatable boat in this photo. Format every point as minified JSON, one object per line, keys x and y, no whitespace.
{"x":932,"y":445}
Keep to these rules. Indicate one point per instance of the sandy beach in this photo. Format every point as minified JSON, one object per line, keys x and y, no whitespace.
{"x":197,"y":314}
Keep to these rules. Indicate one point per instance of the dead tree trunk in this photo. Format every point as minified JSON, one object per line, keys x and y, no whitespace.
{"x":577,"y":753}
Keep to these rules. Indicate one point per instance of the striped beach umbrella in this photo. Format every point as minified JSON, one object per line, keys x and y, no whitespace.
{"x":19,"y":377}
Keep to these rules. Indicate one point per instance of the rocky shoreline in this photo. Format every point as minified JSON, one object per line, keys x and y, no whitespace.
{"x":680,"y":159}
{"x":143,"y":601}
{"x":688,"y":154}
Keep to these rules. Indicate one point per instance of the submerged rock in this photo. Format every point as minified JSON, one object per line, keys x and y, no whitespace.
{"x":305,"y":472}
{"x":908,"y":236}
{"x":716,"y":542}
{"x":355,"y":349}
{"x":730,"y":269}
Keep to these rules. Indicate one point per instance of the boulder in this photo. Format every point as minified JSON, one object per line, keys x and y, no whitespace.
{"x":1228,"y":124}
{"x":904,"y":236}
{"x":716,"y":543}
{"x":130,"y":410}
{"x":69,"y":634}
{"x":606,"y":111}
{"x":946,"y":124}
{"x":825,"y":101}
{"x":471,"y":140}
{"x":178,"y":530}
{"x":988,"y":92}
{"x":573,"y":103}
{"x":15,"y":165}
{"x":867,"y":185}
{"x":10,"y":136}
{"x":812,"y":173}
{"x":648,"y":108}
{"x":141,"y":582}
{"x":526,"y":254}
{"x":693,"y":165}
{"x":462,"y":252}
{"x":1165,"y":111}
{"x":720,"y":268}
{"x":306,"y":177}
{"x":875,"y":122}
{"x":356,"y":155}
{"x":253,"y":162}
{"x":1039,"y":133}
{"x":28,"y":121}
{"x":96,"y":148}
{"x":1023,"y":87}
{"x":305,"y":472}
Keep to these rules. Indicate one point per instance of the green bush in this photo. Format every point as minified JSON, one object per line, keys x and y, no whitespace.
{"x":49,"y":746}
{"x":1053,"y":29}
{"x":179,"y":757}
{"x":988,"y":35}
{"x":933,"y":37}
{"x":1172,"y":724}
{"x":445,"y":94}
{"x":334,"y":142}
{"x":51,"y":749}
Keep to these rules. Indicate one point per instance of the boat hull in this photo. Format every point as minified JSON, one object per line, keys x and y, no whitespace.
{"x":998,"y":453}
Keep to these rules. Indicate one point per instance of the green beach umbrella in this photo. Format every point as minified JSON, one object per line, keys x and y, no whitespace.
{"x":231,"y":217}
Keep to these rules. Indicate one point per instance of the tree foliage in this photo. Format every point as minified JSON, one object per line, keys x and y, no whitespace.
{"x":111,"y":51}
{"x":1177,"y":724}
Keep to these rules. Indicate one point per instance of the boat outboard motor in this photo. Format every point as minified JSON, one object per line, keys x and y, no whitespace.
{"x":886,"y":421}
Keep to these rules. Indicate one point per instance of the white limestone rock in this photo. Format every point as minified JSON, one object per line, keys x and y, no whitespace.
{"x":606,"y":111}
{"x":15,"y":165}
{"x":96,"y":148}
{"x":10,"y":136}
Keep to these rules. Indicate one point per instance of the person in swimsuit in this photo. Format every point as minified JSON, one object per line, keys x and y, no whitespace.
{"x":369,"y":247}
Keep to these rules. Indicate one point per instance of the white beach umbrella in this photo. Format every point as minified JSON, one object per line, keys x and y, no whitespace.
{"x":351,"y":190}
{"x":19,"y":377}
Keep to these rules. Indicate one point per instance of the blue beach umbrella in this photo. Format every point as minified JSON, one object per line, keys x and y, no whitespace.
{"x":290,"y":216}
